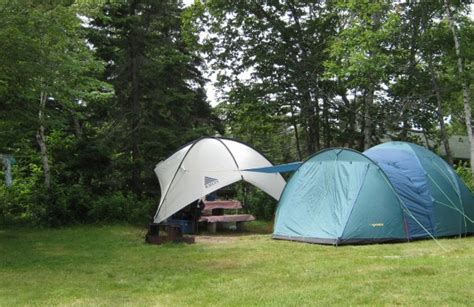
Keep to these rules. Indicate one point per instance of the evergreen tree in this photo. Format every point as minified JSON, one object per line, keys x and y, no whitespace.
{"x":160,"y":102}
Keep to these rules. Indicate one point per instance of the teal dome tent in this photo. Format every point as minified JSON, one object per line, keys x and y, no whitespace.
{"x":393,"y":192}
{"x":339,"y":196}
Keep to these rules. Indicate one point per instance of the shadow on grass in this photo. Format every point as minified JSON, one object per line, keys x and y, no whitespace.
{"x":251,"y":228}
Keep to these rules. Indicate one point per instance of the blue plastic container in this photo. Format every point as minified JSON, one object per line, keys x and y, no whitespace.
{"x":185,"y":225}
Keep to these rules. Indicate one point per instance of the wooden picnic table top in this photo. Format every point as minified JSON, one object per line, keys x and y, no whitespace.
{"x":227,"y":218}
{"x":222,"y":204}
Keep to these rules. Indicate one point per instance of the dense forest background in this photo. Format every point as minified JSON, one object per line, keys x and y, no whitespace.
{"x":94,"y":93}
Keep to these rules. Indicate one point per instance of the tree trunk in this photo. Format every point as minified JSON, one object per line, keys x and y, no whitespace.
{"x":75,"y":121}
{"x":426,"y":139}
{"x":297,"y":137}
{"x":407,"y":101}
{"x":444,"y":135}
{"x":307,"y":120}
{"x":326,"y":127}
{"x":41,"y":140}
{"x":466,"y":93}
{"x":297,"y":140}
{"x":369,"y":100}
{"x":351,"y":121}
{"x":310,"y":106}
{"x":136,"y":112}
{"x":134,"y":99}
{"x":77,"y":127}
{"x":315,"y":124}
{"x":312,"y":124}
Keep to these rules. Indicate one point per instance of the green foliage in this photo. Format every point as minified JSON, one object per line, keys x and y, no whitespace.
{"x":17,"y":203}
{"x":118,"y":207}
{"x":256,"y":202}
{"x":160,"y":102}
{"x":70,"y":204}
{"x":339,"y":73}
{"x":464,"y":171}
{"x":358,"y":52}
{"x":124,"y":89}
{"x":269,"y":58}
{"x":257,"y":125}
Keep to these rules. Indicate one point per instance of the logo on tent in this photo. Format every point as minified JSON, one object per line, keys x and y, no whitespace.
{"x":209,"y":181}
{"x":377,"y":225}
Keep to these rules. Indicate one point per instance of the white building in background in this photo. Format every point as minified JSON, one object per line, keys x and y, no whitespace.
{"x":7,"y":162}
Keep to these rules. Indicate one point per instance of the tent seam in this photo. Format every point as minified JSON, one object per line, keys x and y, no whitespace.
{"x":184,"y":157}
{"x":405,"y":209}
{"x":458,"y":192}
{"x":353,"y":203}
{"x":450,"y":200}
{"x":456,"y":209}
{"x":433,"y":226}
{"x":174,"y":176}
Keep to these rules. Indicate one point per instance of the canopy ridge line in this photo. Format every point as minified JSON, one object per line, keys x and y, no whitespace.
{"x":213,"y":171}
{"x":232,"y":155}
{"x":219,"y":163}
{"x":281,"y":168}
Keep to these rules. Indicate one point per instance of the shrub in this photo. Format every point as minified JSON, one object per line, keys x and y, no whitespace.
{"x":17,"y":203}
{"x":120,"y":207}
{"x":257,"y":202}
{"x":27,"y":202}
{"x":464,"y":171}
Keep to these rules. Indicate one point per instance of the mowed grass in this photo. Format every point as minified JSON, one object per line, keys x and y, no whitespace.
{"x":111,"y":265}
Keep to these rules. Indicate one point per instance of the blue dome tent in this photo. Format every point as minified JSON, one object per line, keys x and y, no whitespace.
{"x":429,"y":187}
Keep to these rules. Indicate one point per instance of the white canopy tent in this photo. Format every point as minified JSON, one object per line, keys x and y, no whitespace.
{"x":206,"y":165}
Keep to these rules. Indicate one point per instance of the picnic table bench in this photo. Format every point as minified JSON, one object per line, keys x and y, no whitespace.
{"x":213,"y":214}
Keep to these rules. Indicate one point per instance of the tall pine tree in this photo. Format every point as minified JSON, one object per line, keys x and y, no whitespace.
{"x":160,"y":102}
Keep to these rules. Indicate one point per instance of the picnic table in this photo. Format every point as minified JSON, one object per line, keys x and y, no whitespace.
{"x":213,"y":215}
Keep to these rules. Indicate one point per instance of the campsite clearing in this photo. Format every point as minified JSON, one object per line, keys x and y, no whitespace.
{"x":109,"y":265}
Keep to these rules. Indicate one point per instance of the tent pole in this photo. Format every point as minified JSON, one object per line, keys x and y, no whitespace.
{"x":245,"y":195}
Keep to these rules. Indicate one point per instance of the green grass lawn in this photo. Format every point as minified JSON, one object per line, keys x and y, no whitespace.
{"x":110,"y":265}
